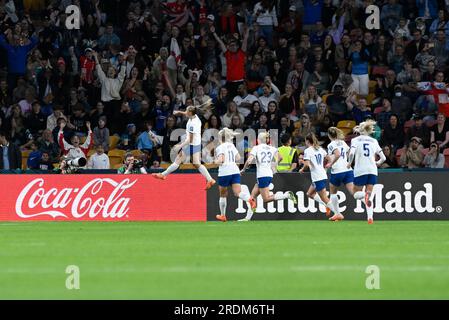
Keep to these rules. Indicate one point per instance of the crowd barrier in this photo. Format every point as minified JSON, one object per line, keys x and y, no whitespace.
{"x":400,"y":195}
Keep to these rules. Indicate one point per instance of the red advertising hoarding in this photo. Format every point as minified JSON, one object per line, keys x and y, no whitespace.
{"x":102,"y":198}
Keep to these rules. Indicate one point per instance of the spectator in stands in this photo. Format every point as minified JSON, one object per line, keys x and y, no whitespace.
{"x":34,"y":157}
{"x":383,"y":117}
{"x":359,"y":109}
{"x":420,"y":130}
{"x":337,"y":105}
{"x":434,"y":158}
{"x":439,"y":133}
{"x":49,"y":146}
{"x":244,"y":100}
{"x":129,"y":138}
{"x":75,"y":149}
{"x":413,"y":157}
{"x":129,"y":166}
{"x":401,"y":104}
{"x":101,"y":134}
{"x":360,"y":58}
{"x":10,"y":155}
{"x":99,"y":160}
{"x":393,"y":133}
{"x":390,"y":161}
{"x":45,"y":163}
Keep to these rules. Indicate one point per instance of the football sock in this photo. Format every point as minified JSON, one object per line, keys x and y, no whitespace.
{"x":202,"y":169}
{"x":281,"y":196}
{"x":317,"y":198}
{"x":359,"y":195}
{"x":244,"y":196}
{"x":334,"y":202}
{"x":222,"y":203}
{"x":173,"y":167}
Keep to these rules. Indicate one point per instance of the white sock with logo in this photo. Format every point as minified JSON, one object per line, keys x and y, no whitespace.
{"x":280,"y":196}
{"x":223,"y":202}
{"x":334,"y":201}
{"x":173,"y":167}
{"x":317,"y":198}
{"x":202,"y":169}
{"x":359,"y":195}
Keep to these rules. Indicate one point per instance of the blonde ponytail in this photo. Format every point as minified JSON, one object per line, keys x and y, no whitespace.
{"x":335,"y":133}
{"x":264,"y":137}
{"x":311,"y":138}
{"x":227,"y":135}
{"x":365,"y":128}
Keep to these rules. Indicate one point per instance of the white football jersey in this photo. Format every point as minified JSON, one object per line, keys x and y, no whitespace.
{"x":194,"y":126}
{"x":341,"y":165}
{"x":365,"y":149}
{"x":229,"y":166}
{"x":264,"y":155}
{"x":316,"y":158}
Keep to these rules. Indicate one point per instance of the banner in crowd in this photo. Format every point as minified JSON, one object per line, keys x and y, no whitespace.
{"x":102,"y":198}
{"x":398,"y":196}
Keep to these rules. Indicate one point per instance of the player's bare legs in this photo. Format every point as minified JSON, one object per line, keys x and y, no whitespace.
{"x":365,"y":197}
{"x":320,"y":197}
{"x":223,"y":203}
{"x":180,"y":158}
{"x":196,"y":159}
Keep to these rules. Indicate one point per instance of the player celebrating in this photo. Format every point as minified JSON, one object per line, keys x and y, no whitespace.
{"x":364,"y":149}
{"x":314,"y":157}
{"x":229,"y":173}
{"x":338,"y":152}
{"x":265,"y":155}
{"x":190,"y":147}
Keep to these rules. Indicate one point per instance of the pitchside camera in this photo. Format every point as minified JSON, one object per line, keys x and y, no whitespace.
{"x":138,"y":164}
{"x":77,"y":163}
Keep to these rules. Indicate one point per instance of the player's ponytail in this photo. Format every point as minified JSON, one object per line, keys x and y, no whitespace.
{"x":227,"y":135}
{"x":365,"y":128}
{"x":201,"y":109}
{"x":264,"y":137}
{"x":335,"y":133}
{"x":311,"y":138}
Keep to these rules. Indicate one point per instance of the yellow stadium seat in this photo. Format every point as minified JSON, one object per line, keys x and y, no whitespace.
{"x":324,"y":98}
{"x":113,"y":142}
{"x":116,"y":166}
{"x":116,"y":157}
{"x":136,"y":153}
{"x":370,"y":98}
{"x":346,"y":126}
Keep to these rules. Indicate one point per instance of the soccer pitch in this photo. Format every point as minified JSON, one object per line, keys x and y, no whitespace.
{"x":256,"y":260}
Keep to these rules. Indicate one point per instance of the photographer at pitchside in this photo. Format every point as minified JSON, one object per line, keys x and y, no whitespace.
{"x":132,"y":166}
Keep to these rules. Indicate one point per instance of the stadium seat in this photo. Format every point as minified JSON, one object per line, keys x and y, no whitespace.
{"x":113,"y":142}
{"x":346,"y":126}
{"x":378,"y":110}
{"x":399,"y":153}
{"x":136,"y":153}
{"x":91,"y":152}
{"x":446,"y":158}
{"x":116,"y":166}
{"x":324,"y":98}
{"x":25,"y":156}
{"x":370,"y":98}
{"x":116,"y":157}
{"x":372,"y":86}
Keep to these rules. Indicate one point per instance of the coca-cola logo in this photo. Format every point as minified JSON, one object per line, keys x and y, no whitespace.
{"x":89,"y":201}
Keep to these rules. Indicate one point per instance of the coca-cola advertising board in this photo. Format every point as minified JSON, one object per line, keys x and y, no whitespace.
{"x":102,"y":198}
{"x":408,"y":195}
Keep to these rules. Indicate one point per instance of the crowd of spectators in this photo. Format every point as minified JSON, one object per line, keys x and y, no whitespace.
{"x":297,"y":66}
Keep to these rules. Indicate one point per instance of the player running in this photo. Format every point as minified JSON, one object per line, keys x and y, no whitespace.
{"x":191,"y":146}
{"x":229,"y":173}
{"x":314,"y":157}
{"x":265,"y":155}
{"x":338,"y":152}
{"x":363,"y":151}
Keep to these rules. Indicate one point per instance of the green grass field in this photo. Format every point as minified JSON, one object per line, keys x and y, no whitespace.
{"x":257,"y":260}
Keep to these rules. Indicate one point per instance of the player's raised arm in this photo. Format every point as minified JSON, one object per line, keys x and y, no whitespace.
{"x":248,"y":162}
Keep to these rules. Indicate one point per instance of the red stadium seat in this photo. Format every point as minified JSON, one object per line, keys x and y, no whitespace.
{"x":446,"y":158}
{"x":378,"y":110}
{"x":399,"y":153}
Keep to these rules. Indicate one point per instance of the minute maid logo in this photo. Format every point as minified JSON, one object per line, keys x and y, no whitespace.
{"x":384,"y":202}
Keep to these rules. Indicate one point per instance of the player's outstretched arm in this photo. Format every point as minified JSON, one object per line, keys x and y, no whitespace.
{"x":247,"y":163}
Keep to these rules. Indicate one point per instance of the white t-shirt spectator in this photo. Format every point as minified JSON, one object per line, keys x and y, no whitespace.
{"x":244,"y":111}
{"x":99,"y":162}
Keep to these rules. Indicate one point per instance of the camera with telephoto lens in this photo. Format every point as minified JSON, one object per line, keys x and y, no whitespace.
{"x":138,"y":164}
{"x":77,"y":162}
